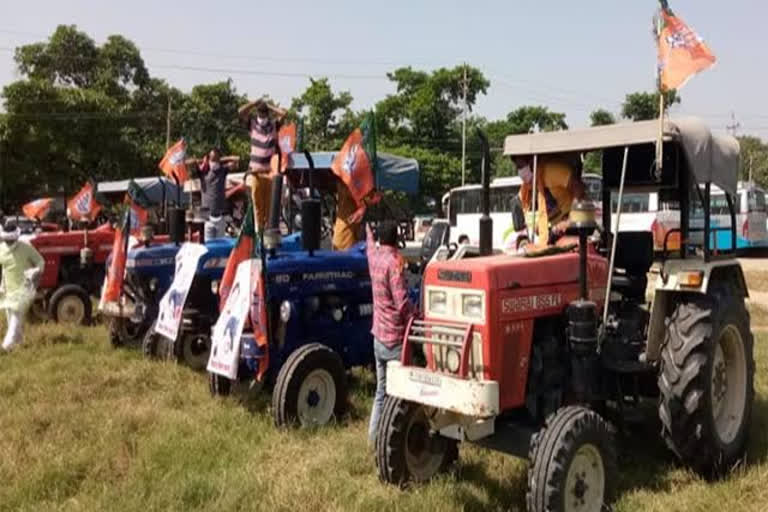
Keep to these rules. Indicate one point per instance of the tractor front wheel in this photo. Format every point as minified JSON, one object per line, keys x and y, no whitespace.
{"x":219,"y":385}
{"x":155,"y":346}
{"x":573,"y":463}
{"x":706,"y":382}
{"x":406,"y":448}
{"x":70,"y":304}
{"x":124,"y":333}
{"x":311,"y":388}
{"x":193,"y":350}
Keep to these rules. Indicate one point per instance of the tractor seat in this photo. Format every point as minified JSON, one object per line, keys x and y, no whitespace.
{"x":634,"y":257}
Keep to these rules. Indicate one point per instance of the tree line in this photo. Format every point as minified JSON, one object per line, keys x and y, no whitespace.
{"x":86,"y":111}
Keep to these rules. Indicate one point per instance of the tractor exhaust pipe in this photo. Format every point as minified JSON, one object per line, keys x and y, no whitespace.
{"x":486,"y":223}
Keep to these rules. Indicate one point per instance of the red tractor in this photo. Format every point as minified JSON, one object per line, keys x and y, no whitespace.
{"x":74,"y":270}
{"x":540,"y":355}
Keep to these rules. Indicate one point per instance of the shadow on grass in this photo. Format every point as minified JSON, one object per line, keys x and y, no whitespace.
{"x":65,"y":339}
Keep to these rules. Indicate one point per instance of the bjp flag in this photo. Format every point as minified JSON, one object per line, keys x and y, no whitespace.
{"x":355,"y":163}
{"x":173,"y":164}
{"x":38,"y":208}
{"x":682,"y":53}
{"x":138,"y":208}
{"x":83,"y":206}
{"x":244,"y":249}
{"x":116,"y":271}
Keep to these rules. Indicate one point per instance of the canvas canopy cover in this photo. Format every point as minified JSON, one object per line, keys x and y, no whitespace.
{"x":713,"y":158}
{"x":157,"y":189}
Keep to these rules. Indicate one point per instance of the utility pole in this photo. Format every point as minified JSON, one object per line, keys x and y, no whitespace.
{"x":464,"y":88}
{"x":168,"y":125}
{"x":735,"y":125}
{"x":750,"y":168}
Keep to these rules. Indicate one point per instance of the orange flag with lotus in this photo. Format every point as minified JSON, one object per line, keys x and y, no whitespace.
{"x":83,"y":206}
{"x":173,"y":164}
{"x":682,"y":53}
{"x":355,"y":163}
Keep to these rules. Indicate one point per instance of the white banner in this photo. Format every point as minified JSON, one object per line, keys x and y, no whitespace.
{"x":172,"y":303}
{"x":225,"y":339}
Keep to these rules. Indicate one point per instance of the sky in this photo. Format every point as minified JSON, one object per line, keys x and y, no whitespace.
{"x":572,"y":56}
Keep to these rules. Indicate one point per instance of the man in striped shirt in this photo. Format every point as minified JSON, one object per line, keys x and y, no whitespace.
{"x":262,"y":120}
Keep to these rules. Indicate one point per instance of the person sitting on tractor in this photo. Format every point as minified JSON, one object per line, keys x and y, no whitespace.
{"x":22,"y":267}
{"x":392,"y":309}
{"x":213,"y":183}
{"x":559,"y":185}
{"x":263,"y":128}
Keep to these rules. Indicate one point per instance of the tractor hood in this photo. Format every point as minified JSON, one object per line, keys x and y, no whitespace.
{"x":506,"y":272}
{"x":154,"y":256}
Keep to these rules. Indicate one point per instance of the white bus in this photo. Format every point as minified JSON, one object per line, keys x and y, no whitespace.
{"x":751,"y":218}
{"x":463,"y":207}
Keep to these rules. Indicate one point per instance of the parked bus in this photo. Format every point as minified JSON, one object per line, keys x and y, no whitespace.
{"x":751,"y":218}
{"x":464,"y":208}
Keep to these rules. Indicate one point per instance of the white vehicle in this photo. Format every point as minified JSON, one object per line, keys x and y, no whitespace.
{"x":644,"y":211}
{"x":751,"y":217}
{"x":464,"y":210}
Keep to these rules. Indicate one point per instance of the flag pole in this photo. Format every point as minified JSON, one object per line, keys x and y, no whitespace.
{"x":660,"y":87}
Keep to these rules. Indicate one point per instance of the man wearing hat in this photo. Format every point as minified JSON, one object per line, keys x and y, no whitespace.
{"x":262,"y":120}
{"x":22,"y":267}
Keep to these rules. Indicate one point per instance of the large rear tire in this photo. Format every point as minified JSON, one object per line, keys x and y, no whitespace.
{"x":406,"y":449}
{"x":311,"y":388}
{"x":706,"y":382}
{"x":573,"y":463}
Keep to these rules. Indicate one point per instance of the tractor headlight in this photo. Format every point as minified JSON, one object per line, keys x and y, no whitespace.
{"x":285,"y":311}
{"x":338,"y":314}
{"x":215,"y":287}
{"x":153,"y":284}
{"x":472,"y":305}
{"x":452,"y":360}
{"x":437,"y":302}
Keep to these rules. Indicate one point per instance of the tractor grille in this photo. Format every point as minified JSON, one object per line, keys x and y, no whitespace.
{"x":446,"y":345}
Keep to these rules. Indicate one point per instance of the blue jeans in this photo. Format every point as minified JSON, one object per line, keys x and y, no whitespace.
{"x":383,"y":355}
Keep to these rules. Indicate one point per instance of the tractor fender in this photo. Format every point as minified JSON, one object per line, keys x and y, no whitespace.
{"x":669,"y":288}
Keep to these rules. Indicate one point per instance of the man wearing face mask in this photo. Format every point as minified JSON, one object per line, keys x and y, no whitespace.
{"x":22,"y":267}
{"x":559,"y":185}
{"x":213,"y":182}
{"x":263,"y":128}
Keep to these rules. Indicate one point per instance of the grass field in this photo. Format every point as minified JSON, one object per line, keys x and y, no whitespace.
{"x":85,"y":427}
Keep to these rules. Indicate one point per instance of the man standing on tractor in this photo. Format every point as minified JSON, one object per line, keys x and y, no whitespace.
{"x":22,"y":267}
{"x":263,"y":128}
{"x":213,"y":184}
{"x":559,"y":184}
{"x":392,"y":309}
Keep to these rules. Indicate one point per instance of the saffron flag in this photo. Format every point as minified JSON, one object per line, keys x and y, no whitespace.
{"x":355,"y":164}
{"x":138,"y":204}
{"x":116,"y":271}
{"x":83,"y":206}
{"x":286,"y":140}
{"x":38,"y":208}
{"x":243,"y":250}
{"x":682,"y":53}
{"x":173,"y":163}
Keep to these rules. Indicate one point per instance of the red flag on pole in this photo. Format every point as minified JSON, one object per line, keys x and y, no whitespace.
{"x":355,"y":163}
{"x":83,"y":206}
{"x":173,"y":164}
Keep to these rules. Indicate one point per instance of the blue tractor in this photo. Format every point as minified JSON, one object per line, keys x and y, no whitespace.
{"x":316,"y":320}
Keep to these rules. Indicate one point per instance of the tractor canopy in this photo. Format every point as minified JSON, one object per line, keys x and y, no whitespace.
{"x":711,"y":158}
{"x":158,"y":190}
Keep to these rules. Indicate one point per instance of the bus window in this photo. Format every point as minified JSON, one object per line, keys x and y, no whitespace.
{"x":719,"y":205}
{"x":501,"y":198}
{"x":756,"y":201}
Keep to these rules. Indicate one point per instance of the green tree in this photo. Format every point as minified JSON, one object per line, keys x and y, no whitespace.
{"x":754,"y":157}
{"x":427,"y":105}
{"x":327,"y":115}
{"x":601,"y":117}
{"x":643,"y":106}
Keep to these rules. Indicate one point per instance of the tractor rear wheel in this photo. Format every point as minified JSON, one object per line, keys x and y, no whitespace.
{"x":406,"y":448}
{"x":573,"y":463}
{"x":311,"y":388}
{"x":706,"y":382}
{"x":70,"y":304}
{"x":193,"y":350}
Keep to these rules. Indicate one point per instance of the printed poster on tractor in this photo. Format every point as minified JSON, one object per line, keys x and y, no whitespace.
{"x":172,"y":303}
{"x":225,"y":339}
